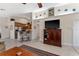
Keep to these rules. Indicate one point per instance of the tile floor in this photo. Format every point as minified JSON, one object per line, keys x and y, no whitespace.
{"x":63,"y":51}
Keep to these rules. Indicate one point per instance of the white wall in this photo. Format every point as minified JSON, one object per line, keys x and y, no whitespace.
{"x":66,"y":25}
{"x":4,"y":27}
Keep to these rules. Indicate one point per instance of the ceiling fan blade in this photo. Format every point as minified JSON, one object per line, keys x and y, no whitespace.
{"x":40,"y":5}
{"x":24,"y":3}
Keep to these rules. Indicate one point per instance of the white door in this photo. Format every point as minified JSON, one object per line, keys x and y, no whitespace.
{"x":76,"y":34}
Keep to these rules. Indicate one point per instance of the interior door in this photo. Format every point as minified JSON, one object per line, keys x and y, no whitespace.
{"x":76,"y":34}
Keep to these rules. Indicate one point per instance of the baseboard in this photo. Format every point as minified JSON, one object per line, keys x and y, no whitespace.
{"x":67,"y":44}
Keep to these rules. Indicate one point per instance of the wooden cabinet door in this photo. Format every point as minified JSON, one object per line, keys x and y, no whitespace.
{"x":53,"y":37}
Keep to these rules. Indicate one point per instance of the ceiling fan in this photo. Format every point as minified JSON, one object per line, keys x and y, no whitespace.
{"x":39,"y":4}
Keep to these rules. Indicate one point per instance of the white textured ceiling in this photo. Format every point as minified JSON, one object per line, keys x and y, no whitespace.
{"x":11,"y":9}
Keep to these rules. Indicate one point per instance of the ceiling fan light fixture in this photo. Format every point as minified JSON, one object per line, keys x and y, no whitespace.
{"x":24,"y":3}
{"x":40,"y":5}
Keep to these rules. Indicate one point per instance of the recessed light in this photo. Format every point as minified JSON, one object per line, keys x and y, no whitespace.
{"x":44,"y":13}
{"x":36,"y":17}
{"x":74,"y":9}
{"x":40,"y":14}
{"x":66,"y":10}
{"x":59,"y":10}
